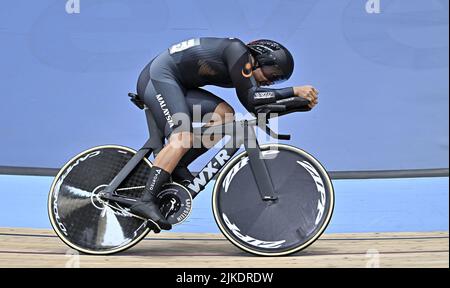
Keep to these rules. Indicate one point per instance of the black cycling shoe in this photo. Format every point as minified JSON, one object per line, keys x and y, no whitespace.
{"x":150,"y":211}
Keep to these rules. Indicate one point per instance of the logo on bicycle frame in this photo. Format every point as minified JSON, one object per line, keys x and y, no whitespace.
{"x":209,"y":171}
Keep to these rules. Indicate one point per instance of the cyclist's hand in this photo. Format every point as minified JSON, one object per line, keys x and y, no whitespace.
{"x":307,"y":92}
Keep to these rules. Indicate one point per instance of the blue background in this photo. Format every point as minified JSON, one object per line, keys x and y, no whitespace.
{"x":383,"y":77}
{"x":381,"y":205}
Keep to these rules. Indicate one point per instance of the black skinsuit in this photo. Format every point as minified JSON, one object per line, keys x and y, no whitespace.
{"x":169,"y":84}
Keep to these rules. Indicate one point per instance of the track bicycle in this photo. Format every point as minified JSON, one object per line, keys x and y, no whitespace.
{"x":271,"y":199}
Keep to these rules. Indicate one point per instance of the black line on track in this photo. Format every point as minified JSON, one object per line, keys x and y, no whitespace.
{"x":370,"y":174}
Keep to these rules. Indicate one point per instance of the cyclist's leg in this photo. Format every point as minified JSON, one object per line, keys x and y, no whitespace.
{"x":205,"y":107}
{"x":213,"y":109}
{"x":165,"y":99}
{"x":168,"y":105}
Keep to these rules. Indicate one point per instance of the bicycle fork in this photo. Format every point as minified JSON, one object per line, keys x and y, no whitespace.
{"x":258,"y":165}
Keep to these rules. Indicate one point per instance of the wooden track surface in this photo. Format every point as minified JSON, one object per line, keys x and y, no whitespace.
{"x":41,"y":248}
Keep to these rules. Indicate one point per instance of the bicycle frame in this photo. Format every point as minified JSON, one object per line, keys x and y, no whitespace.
{"x":241,"y":132}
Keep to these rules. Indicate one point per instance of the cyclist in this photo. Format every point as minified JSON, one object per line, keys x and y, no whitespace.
{"x":169,"y":86}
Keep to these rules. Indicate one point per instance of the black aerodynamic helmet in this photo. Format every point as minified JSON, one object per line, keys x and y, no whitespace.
{"x":275,"y":61}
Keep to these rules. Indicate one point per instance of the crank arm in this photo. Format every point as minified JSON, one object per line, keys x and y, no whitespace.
{"x":118,"y":199}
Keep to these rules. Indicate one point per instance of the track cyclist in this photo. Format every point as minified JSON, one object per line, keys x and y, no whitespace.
{"x":170,"y":87}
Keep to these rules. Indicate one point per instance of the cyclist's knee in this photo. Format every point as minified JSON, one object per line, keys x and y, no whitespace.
{"x":224,"y":113}
{"x":181,"y":140}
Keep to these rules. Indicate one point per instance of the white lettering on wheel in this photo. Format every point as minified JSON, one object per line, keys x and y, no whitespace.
{"x":250,"y":240}
{"x":320,"y":188}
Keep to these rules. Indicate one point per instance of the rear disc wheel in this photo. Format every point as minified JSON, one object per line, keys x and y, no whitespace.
{"x":84,"y":221}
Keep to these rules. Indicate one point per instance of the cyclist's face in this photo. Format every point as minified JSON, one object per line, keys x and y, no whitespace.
{"x":261,"y":78}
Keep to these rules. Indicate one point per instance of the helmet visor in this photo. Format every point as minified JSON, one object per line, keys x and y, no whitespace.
{"x":273,"y":73}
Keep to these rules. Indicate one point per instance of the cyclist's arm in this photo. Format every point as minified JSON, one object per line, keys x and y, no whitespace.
{"x":250,"y":95}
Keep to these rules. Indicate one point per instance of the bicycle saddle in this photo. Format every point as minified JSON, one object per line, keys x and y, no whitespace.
{"x":136,"y":100}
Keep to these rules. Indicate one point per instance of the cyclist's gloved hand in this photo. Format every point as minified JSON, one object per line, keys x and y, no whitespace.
{"x":309,"y":93}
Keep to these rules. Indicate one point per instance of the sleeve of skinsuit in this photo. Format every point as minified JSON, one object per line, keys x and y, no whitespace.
{"x":237,"y":57}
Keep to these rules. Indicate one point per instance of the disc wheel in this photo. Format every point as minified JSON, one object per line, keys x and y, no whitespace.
{"x":80,"y":218}
{"x":302,"y":211}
